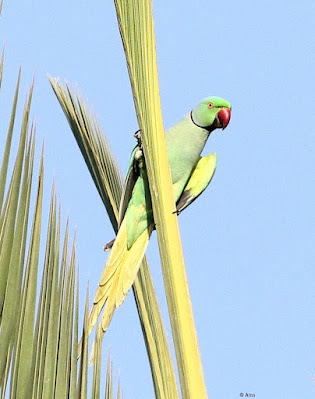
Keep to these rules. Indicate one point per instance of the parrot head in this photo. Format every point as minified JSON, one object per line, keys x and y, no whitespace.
{"x":212,"y":113}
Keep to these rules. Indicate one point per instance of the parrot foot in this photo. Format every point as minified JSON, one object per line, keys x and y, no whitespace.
{"x":109,"y":245}
{"x":137,"y":135}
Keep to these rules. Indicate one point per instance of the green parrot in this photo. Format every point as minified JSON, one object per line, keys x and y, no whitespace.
{"x":191,"y":174}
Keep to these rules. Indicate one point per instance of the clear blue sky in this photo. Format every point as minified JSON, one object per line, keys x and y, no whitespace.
{"x":249,"y":240}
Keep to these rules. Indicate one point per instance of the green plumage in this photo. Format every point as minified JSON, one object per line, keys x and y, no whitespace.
{"x":191,"y":174}
{"x":185,"y":142}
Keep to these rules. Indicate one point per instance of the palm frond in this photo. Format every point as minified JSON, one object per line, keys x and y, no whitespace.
{"x":38,"y":333}
{"x":12,"y":240}
{"x":6,"y":153}
{"x":107,"y":178}
{"x":137,"y":31}
{"x":94,"y":148}
{"x":97,"y":366}
{"x":2,"y":57}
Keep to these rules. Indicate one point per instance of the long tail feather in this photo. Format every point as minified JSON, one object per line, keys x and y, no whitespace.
{"x":118,"y":276}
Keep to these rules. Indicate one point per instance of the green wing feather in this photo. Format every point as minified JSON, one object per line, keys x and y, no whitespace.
{"x":135,"y":202}
{"x":130,"y":181}
{"x":198,"y":181}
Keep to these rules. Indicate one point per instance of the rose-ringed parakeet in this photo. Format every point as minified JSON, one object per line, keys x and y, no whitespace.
{"x":191,"y":174}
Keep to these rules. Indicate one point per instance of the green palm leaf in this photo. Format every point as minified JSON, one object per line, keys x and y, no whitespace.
{"x":107,"y":178}
{"x":137,"y":32}
{"x":38,"y":343}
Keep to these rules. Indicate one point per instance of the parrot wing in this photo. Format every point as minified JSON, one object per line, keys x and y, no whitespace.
{"x":128,"y":248}
{"x":199,"y":180}
{"x":130,"y":181}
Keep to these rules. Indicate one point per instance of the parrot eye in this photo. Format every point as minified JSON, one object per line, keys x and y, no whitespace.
{"x":210,"y":105}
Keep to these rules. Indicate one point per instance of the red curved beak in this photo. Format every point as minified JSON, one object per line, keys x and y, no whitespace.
{"x":224,"y":116}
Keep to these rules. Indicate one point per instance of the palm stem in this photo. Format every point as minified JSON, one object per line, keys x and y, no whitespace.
{"x":137,"y":31}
